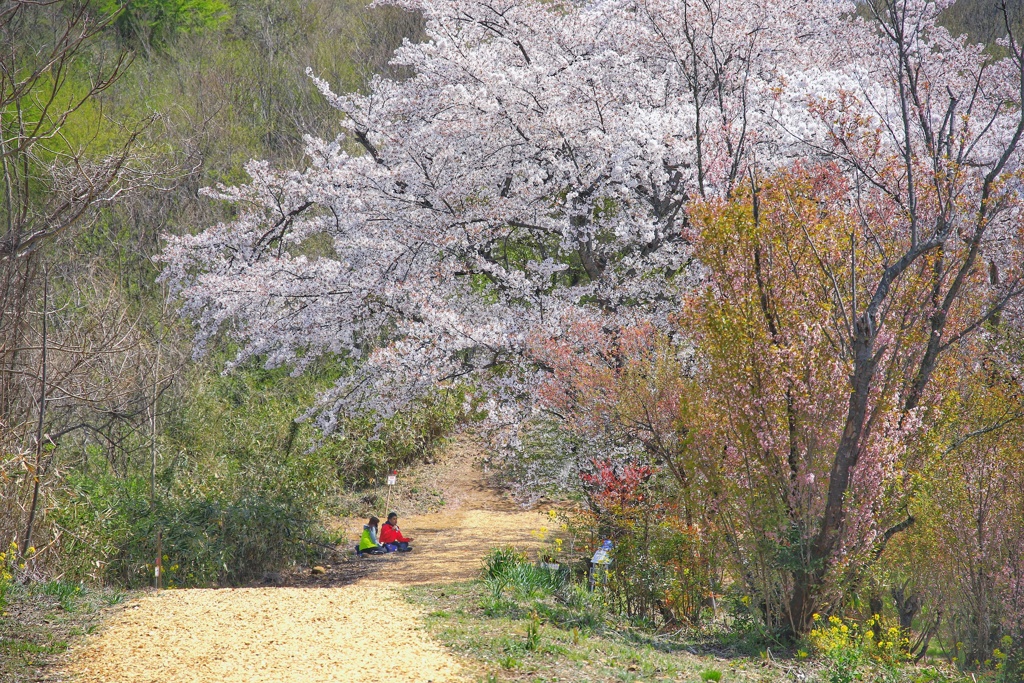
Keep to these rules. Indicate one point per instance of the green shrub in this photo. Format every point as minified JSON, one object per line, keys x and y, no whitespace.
{"x":498,"y":561}
{"x":842,"y":646}
{"x":223,"y":535}
{"x":248,"y":418}
{"x":509,"y":569}
{"x":152,"y":23}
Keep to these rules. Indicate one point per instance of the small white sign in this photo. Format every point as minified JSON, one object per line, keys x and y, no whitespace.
{"x":392,"y":479}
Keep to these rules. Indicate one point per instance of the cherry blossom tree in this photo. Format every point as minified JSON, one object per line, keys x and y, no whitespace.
{"x":530,"y":177}
{"x":549,"y":169}
{"x":773,"y":367}
{"x":927,"y":128}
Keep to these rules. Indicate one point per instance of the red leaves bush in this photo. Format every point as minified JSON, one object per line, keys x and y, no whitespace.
{"x":664,"y":566}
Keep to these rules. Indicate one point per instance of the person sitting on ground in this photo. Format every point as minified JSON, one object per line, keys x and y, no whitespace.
{"x":391,"y":536}
{"x":368,"y":542}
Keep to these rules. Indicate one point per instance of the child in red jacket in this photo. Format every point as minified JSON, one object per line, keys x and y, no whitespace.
{"x":391,"y":536}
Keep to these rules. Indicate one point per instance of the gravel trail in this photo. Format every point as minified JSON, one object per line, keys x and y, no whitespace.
{"x":266,"y":635}
{"x":336,"y":627}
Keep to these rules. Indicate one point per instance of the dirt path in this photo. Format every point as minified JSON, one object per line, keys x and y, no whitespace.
{"x":330,"y":629}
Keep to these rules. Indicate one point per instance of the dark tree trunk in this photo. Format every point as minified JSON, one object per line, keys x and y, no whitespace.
{"x":908,"y":604}
{"x":804,"y":601}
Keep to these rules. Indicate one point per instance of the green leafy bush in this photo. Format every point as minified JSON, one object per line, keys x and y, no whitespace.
{"x":155,"y":23}
{"x":210,"y":535}
{"x":500,"y":561}
{"x":518,"y":587}
{"x":664,"y":566}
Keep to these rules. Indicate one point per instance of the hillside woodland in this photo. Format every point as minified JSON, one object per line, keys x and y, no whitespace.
{"x":113,"y":118}
{"x":739,"y":289}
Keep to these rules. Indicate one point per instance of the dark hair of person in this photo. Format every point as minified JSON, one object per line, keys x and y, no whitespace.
{"x":374,"y":521}
{"x":393,"y":515}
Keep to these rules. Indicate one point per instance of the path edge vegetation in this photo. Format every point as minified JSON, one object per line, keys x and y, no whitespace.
{"x":523,"y":621}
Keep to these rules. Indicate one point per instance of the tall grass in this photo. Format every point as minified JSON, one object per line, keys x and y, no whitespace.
{"x":509,"y":570}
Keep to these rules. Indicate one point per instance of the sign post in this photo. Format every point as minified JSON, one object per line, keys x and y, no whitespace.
{"x":392,"y":480}
{"x":158,"y":567}
{"x":599,"y":565}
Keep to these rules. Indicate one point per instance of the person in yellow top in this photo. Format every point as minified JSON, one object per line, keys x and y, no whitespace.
{"x":368,"y":543}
